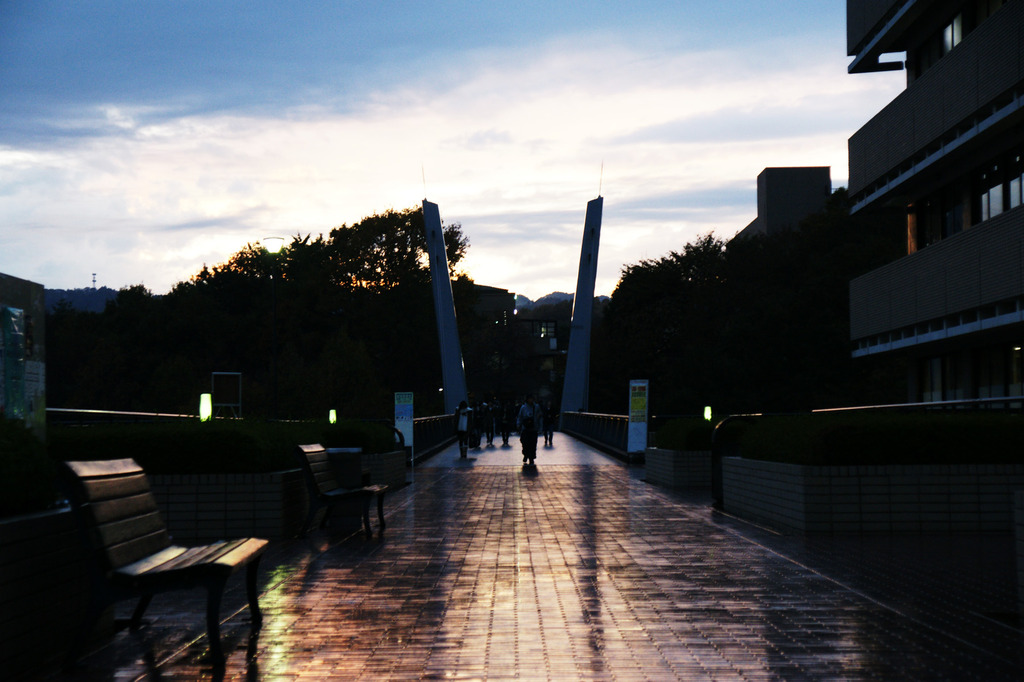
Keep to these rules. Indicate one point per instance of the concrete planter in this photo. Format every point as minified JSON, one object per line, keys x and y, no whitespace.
{"x":1019,"y":536}
{"x":44,"y":591}
{"x":678,"y":469}
{"x":896,"y":499}
{"x":386,"y":467}
{"x":206,"y":507}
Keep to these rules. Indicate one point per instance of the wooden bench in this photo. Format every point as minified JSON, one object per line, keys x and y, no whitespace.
{"x":130,"y":554}
{"x":327,"y":488}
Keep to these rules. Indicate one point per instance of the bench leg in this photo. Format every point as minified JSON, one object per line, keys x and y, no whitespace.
{"x":92,"y":616}
{"x":366,"y":517}
{"x":308,"y":523}
{"x":252,"y":591}
{"x":380,"y":512}
{"x":214,"y":591}
{"x":140,"y":609}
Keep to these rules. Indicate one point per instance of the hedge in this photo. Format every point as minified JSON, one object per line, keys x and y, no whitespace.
{"x":886,"y":438}
{"x":187,"y":447}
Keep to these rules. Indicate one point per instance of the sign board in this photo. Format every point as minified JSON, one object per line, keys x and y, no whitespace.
{"x":637,"y":434}
{"x":403,"y":417}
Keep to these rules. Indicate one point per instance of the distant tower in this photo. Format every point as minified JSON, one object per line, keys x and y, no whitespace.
{"x":94,"y":280}
{"x":452,"y":370}
{"x":576,"y":390}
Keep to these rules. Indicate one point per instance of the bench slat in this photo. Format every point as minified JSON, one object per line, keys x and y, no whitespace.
{"x":112,"y":487}
{"x":104,"y":467}
{"x":220,"y":558}
{"x":109,"y":511}
{"x":122,"y":530}
{"x":136,"y":548}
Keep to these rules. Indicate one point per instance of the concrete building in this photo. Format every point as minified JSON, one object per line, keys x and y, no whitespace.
{"x":949,"y":149}
{"x":785,"y":196}
{"x":23,"y":352}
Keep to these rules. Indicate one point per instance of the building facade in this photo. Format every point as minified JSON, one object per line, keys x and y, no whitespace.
{"x":787,"y":195}
{"x":949,"y":149}
{"x":23,"y":352}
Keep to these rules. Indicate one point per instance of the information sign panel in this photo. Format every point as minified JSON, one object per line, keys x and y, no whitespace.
{"x":637,"y":436}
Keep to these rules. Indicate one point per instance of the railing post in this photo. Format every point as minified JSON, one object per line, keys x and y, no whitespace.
{"x":717,"y":492}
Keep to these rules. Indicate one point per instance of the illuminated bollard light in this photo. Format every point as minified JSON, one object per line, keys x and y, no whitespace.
{"x":205,"y":407}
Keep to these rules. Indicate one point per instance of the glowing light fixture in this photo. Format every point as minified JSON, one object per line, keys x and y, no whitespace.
{"x":273,"y":244}
{"x":707,"y":413}
{"x":332,"y":416}
{"x":205,"y":407}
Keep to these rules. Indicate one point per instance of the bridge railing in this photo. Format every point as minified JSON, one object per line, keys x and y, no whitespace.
{"x":431,"y":434}
{"x":607,"y":432}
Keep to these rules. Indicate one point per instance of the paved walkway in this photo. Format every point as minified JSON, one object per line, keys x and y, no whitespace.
{"x":580,"y":570}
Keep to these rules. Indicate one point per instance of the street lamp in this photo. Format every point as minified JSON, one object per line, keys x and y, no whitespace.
{"x":273,"y":245}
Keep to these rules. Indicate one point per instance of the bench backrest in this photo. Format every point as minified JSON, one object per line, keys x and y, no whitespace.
{"x":116,"y":510}
{"x":321,"y":476}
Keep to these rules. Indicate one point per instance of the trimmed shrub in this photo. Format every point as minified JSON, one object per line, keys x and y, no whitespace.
{"x":192,"y":447}
{"x":887,"y":438}
{"x":26,"y":473}
{"x":690,"y":433}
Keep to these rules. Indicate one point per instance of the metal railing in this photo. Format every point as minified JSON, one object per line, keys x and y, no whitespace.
{"x":62,"y":415}
{"x":607,"y":432}
{"x":431,"y":434}
{"x":720,"y":449}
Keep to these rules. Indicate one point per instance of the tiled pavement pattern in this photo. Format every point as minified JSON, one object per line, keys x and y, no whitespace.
{"x":580,"y":570}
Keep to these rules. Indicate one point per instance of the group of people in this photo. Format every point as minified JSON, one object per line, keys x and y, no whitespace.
{"x":529,"y":419}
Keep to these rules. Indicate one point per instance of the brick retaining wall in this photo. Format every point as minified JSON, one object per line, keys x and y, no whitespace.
{"x":43,"y":592}
{"x":206,"y":507}
{"x":1019,"y":533}
{"x":678,"y":469}
{"x":895,"y":499}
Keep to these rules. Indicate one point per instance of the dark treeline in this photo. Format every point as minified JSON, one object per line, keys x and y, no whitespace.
{"x":760,"y":324}
{"x":354,"y":323}
{"x":757,"y":324}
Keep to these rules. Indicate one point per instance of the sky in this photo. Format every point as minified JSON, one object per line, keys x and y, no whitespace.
{"x":142,"y":139}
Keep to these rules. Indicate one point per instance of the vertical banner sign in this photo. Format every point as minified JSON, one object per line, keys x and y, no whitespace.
{"x":403,"y":417}
{"x":637,"y":439}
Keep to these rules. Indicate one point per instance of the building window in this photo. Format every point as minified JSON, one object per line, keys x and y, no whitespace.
{"x":991,"y":373}
{"x":931,"y":380}
{"x":545,"y":329}
{"x":1016,"y":386}
{"x":953,"y":33}
{"x":1015,"y":187}
{"x":990,"y":194}
{"x":983,"y":9}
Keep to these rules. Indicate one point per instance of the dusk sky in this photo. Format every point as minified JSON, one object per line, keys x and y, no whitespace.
{"x":142,"y":139}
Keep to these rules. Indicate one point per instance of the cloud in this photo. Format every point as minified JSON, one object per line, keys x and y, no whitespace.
{"x":509,"y":139}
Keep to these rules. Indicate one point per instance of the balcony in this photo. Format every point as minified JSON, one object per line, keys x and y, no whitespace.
{"x":971,"y":282}
{"x":965,"y":97}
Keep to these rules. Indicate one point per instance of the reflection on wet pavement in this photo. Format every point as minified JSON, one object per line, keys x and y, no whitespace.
{"x":580,"y":570}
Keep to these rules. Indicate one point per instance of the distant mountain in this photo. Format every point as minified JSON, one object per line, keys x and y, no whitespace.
{"x":87,"y":300}
{"x":555,"y":297}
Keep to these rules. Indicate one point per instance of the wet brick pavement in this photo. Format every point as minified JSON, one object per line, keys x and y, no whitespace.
{"x":581,"y":570}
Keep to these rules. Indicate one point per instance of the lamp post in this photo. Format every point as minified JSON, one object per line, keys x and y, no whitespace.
{"x":273,"y":245}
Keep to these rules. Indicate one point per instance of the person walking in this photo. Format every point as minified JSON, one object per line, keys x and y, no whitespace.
{"x":487,"y":412}
{"x":508,"y":420}
{"x":530,"y":421}
{"x":462,"y":414}
{"x":550,"y":417}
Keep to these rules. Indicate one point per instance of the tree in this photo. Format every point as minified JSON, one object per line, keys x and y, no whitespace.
{"x":354,"y":323}
{"x":755,"y":324}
